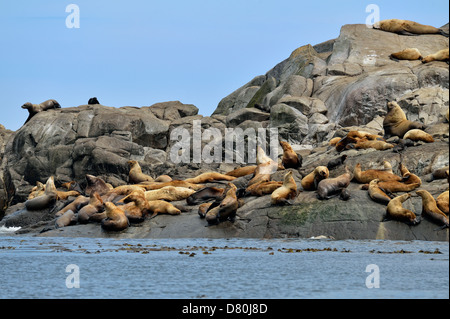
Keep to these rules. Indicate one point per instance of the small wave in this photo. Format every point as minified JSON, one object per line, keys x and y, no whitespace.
{"x":4,"y":229}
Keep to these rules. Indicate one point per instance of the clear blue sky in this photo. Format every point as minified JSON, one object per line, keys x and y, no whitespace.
{"x":138,"y":52}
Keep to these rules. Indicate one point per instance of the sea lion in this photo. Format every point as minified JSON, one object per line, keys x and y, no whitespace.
{"x":402,"y":145}
{"x":344,"y":143}
{"x":74,"y":206}
{"x":336,"y":162}
{"x":174,"y":183}
{"x":364,"y":135}
{"x":395,"y":186}
{"x":209,"y":177}
{"x":169,"y":193}
{"x":378,"y":145}
{"x":395,"y":210}
{"x":204,"y":195}
{"x":67,"y":219}
{"x":377,"y":194}
{"x":441,"y":55}
{"x":37,"y":190}
{"x":407,"y":27}
{"x":395,"y":122}
{"x":408,"y":177}
{"x":365,"y":177}
{"x":34,"y":109}
{"x":227,"y":208}
{"x":430,"y":209}
{"x":407,"y":54}
{"x":334,"y":141}
{"x":96,"y":185}
{"x":287,"y":191}
{"x":93,"y":100}
{"x":94,"y":206}
{"x":115,"y":218}
{"x":242,"y":171}
{"x":45,"y":200}
{"x":330,"y":187}
{"x":418,"y":135}
{"x":263,"y":188}
{"x":135,"y":175}
{"x":442,"y":202}
{"x":137,"y":207}
{"x":162,"y":207}
{"x":310,"y":181}
{"x":290,"y":159}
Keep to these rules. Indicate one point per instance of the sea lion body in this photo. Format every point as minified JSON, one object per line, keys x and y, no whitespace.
{"x":330,"y":187}
{"x":263,"y":188}
{"x":441,"y":55}
{"x":169,"y":193}
{"x":43,"y":201}
{"x":162,"y":207}
{"x":115,"y":220}
{"x":94,"y":206}
{"x":227,"y":208}
{"x":418,"y":135}
{"x":203,"y":208}
{"x":378,"y":145}
{"x":430,"y":209}
{"x":406,"y":27}
{"x":310,"y":181}
{"x":242,"y":171}
{"x":34,"y":109}
{"x":395,"y":122}
{"x":96,"y":185}
{"x":395,"y":210}
{"x":204,"y":195}
{"x":135,"y":175}
{"x":209,"y":177}
{"x":67,"y":219}
{"x":163,"y":179}
{"x":290,"y":158}
{"x":286,"y":192}
{"x":442,"y":202}
{"x":175,"y":183}
{"x":407,"y":54}
{"x":75,"y":205}
{"x":395,"y":186}
{"x":408,"y":177}
{"x":365,"y":177}
{"x":377,"y":194}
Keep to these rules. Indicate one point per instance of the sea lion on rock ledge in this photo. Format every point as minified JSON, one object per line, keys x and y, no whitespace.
{"x":115,"y":218}
{"x":290,"y":158}
{"x":287,"y":191}
{"x":396,"y":124}
{"x":310,"y":181}
{"x":34,"y":109}
{"x":430,"y":209}
{"x":396,"y":211}
{"x":330,"y":187}
{"x":407,"y":27}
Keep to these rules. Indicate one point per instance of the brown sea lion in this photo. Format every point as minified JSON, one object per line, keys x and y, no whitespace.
{"x":115,"y":220}
{"x":395,"y":186}
{"x":344,"y":143}
{"x":418,"y":135}
{"x":377,"y":194}
{"x":209,"y":177}
{"x":364,"y":135}
{"x":288,"y":191}
{"x":336,"y":162}
{"x":37,"y":190}
{"x":310,"y":181}
{"x":204,"y":195}
{"x":334,"y":141}
{"x":94,"y":206}
{"x":174,"y":183}
{"x":330,"y":187}
{"x":407,"y":54}
{"x":227,"y":208}
{"x":430,"y":209}
{"x":407,"y":27}
{"x":45,"y":200}
{"x":96,"y":185}
{"x":442,"y":202}
{"x":441,"y":55}
{"x":67,"y":219}
{"x":290,"y":159}
{"x":365,"y":177}
{"x":75,"y":205}
{"x":34,"y":109}
{"x":137,"y":207}
{"x":263,"y":188}
{"x":169,"y":193}
{"x":378,"y":145}
{"x":162,"y":207}
{"x":242,"y":171}
{"x":408,"y":177}
{"x":395,"y":122}
{"x":135,"y":175}
{"x":395,"y":210}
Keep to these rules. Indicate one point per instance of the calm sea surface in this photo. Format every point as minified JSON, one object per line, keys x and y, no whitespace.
{"x":75,"y":268}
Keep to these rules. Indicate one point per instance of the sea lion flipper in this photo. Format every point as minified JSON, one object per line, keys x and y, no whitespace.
{"x":442,"y":32}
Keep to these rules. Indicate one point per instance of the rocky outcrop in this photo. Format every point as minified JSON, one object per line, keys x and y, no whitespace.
{"x":317,"y":93}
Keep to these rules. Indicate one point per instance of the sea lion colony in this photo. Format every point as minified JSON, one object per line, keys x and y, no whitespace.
{"x":116,"y":208}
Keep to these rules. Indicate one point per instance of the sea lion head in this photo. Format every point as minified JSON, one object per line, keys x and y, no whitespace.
{"x":27,"y":105}
{"x":391,"y":105}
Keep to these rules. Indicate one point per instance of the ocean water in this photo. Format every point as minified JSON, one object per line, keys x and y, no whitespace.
{"x":85,"y":268}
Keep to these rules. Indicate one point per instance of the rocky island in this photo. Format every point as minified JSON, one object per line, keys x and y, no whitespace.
{"x":319,"y":93}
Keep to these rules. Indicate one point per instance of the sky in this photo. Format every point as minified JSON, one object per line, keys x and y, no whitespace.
{"x":137,"y":52}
